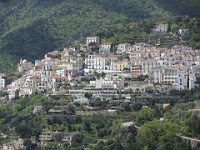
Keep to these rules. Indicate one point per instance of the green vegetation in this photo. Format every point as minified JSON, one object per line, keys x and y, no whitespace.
{"x":104,"y":130}
{"x":29,"y":29}
{"x":8,"y":63}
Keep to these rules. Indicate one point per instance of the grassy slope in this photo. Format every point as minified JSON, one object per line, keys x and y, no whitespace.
{"x":30,"y":28}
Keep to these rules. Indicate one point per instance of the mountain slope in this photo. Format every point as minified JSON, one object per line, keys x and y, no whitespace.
{"x":30,"y":28}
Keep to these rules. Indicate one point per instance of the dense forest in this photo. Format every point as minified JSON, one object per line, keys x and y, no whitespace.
{"x":30,"y":28}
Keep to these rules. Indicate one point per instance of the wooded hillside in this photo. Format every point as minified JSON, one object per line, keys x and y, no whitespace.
{"x":30,"y":28}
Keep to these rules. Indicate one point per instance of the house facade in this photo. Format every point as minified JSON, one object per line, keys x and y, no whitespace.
{"x":162,"y":27}
{"x":94,"y":39}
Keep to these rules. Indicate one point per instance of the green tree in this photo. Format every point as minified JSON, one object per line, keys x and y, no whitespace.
{"x":29,"y":145}
{"x":149,"y":90}
{"x":174,"y":27}
{"x":145,"y":114}
{"x":159,"y":135}
{"x":88,"y":95}
{"x":126,"y":106}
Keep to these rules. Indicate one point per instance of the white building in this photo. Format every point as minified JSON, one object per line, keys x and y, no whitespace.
{"x":162,"y":27}
{"x":181,"y":80}
{"x":81,"y":99}
{"x":105,"y":48}
{"x":109,"y":82}
{"x":122,"y":48}
{"x":170,"y":75}
{"x":94,"y":39}
{"x":183,"y":32}
{"x":192,"y":81}
{"x":136,"y":55}
{"x":100,"y":62}
{"x":158,"y":75}
{"x":162,"y":63}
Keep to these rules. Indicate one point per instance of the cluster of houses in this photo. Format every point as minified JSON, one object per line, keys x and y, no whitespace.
{"x":178,"y":66}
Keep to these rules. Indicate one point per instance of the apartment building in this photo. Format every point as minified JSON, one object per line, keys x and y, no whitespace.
{"x":122,"y":65}
{"x":136,"y":70}
{"x":148,"y":65}
{"x":170,"y":75}
{"x":100,"y":62}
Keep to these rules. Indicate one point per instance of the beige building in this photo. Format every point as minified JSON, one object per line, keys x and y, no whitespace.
{"x":136,"y":70}
{"x":25,"y":65}
{"x":121,"y":65}
{"x":148,"y":65}
{"x":167,"y":74}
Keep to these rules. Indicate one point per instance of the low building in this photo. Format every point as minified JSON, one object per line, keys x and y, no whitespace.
{"x":14,"y":145}
{"x":47,"y":137}
{"x":109,"y":82}
{"x":9,"y":146}
{"x":81,"y":99}
{"x":51,"y":55}
{"x":162,"y":27}
{"x":94,"y":39}
{"x":37,"y":109}
{"x":183,"y":32}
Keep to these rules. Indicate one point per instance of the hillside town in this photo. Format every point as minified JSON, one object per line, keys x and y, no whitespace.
{"x":115,"y":66}
{"x":104,"y":70}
